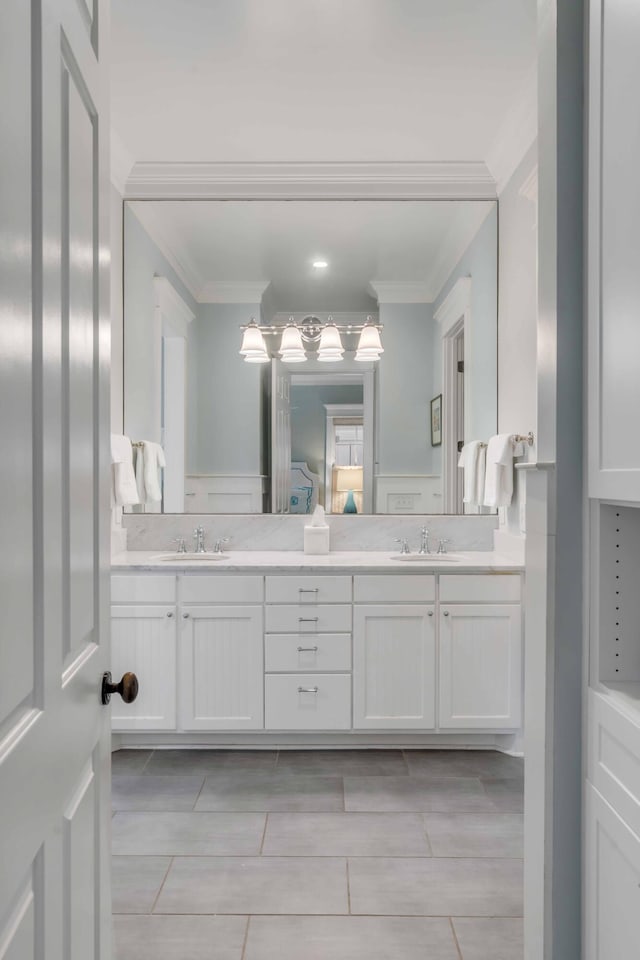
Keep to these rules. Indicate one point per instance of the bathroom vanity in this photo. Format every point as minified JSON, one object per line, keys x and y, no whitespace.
{"x":288,"y":648}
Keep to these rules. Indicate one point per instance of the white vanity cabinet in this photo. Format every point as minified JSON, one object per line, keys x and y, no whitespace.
{"x":480,"y":669}
{"x":394,"y":666}
{"x":220,"y":659}
{"x":221,"y":668}
{"x":143,"y":640}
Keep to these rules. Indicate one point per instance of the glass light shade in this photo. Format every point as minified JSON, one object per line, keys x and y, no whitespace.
{"x":291,"y":348}
{"x":330,"y":349}
{"x":348,"y":478}
{"x":254,"y":349}
{"x":369,"y":344}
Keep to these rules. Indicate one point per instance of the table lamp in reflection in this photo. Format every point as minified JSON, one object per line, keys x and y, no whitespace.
{"x":348,"y":480}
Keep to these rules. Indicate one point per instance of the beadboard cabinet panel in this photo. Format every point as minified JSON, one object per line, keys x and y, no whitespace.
{"x":143,"y":640}
{"x":221,"y":668}
{"x":480,"y":666}
{"x":394,"y":666}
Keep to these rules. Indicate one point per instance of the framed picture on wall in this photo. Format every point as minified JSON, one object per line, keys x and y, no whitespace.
{"x":436,"y":421}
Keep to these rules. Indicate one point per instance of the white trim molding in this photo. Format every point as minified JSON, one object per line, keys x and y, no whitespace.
{"x":401,"y":291}
{"x":184,"y":269}
{"x":300,"y":181}
{"x":232,"y":291}
{"x":171,"y":306}
{"x":121,"y":163}
{"x":455,"y":304}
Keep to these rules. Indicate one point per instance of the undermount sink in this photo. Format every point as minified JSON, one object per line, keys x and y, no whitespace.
{"x":427,"y":558}
{"x":191,"y":557}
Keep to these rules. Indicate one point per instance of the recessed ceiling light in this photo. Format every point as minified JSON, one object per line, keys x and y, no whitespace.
{"x":320,"y":264}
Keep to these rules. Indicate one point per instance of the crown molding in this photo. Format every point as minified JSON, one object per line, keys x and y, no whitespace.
{"x":121,"y":163}
{"x":232,"y":291}
{"x":516,"y":135}
{"x":402,"y":291}
{"x":300,"y":181}
{"x":455,"y":304}
{"x":183,"y":267}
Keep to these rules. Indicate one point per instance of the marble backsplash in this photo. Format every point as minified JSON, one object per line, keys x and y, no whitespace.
{"x":269,"y":532}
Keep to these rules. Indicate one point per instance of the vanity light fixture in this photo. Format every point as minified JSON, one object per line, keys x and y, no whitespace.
{"x":369,"y":344}
{"x":254,"y":349}
{"x":296,"y":339}
{"x":330,"y":349}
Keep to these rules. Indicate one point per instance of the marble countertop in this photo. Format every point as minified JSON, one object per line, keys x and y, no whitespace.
{"x":294,"y":561}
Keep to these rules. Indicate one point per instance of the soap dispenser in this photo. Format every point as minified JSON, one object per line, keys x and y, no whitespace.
{"x":316,"y":533}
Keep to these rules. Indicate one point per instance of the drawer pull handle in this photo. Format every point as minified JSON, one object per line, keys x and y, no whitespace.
{"x":308,"y":590}
{"x":307,"y":649}
{"x":307,"y":689}
{"x":308,"y":619}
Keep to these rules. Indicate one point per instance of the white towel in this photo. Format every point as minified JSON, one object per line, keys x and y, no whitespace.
{"x":498,"y":484}
{"x":153,"y":462}
{"x":472,"y":461}
{"x":124,"y":491}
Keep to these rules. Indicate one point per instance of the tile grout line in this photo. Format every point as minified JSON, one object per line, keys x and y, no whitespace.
{"x":455,"y":938}
{"x":147,"y":762}
{"x":348,"y":888}
{"x":246,"y":938}
{"x":264,"y":833}
{"x":155,"y":902}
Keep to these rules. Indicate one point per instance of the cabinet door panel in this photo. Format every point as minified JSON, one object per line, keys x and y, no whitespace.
{"x":143,"y":640}
{"x":394,"y":667}
{"x":480,"y":666}
{"x":221,"y":668}
{"x":612,"y":889}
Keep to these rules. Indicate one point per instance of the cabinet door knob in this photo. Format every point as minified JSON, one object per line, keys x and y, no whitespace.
{"x":430,"y":614}
{"x":446,"y":613}
{"x":185,"y":616}
{"x":127,"y":688}
{"x":170,"y":615}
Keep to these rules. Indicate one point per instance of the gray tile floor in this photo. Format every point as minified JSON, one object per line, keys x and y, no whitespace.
{"x":317,"y":855}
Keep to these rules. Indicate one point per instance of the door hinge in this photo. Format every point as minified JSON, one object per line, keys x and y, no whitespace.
{"x":460,"y":366}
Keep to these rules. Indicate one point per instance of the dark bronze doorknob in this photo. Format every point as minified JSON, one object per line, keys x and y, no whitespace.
{"x":127,"y":688}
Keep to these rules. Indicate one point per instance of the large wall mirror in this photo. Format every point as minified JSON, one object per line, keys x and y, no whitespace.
{"x":368,"y":332}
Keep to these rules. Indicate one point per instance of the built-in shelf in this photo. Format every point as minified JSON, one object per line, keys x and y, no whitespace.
{"x":618,"y":574}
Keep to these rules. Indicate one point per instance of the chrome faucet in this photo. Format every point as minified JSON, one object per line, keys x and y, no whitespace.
{"x":198,"y":536}
{"x":424,"y":542}
{"x":442,"y":545}
{"x":404,"y":544}
{"x":217,"y":547}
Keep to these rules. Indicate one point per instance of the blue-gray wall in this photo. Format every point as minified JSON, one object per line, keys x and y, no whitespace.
{"x":309,"y":421}
{"x":228,"y":404}
{"x":142,"y":391}
{"x":404,"y":388}
{"x":480,"y":262}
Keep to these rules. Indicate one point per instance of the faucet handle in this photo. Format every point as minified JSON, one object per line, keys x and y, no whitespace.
{"x":217,"y":547}
{"x":404,"y":544}
{"x":442,"y":545}
{"x":182,"y":546}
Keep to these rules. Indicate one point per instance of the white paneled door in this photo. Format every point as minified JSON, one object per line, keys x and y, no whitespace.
{"x":54,"y":474}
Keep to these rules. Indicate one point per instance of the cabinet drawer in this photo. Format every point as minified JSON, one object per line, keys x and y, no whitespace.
{"x":308,"y":701}
{"x":480,"y":588}
{"x":614,"y":757}
{"x":308,"y":589}
{"x":143,"y":589}
{"x":220,"y":589}
{"x":285,"y":652}
{"x":300,"y":618}
{"x":400,"y":588}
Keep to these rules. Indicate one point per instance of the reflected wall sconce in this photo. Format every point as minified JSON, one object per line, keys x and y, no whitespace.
{"x":298,"y":338}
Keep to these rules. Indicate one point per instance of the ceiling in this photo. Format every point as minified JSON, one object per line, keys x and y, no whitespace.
{"x":403,"y":242}
{"x":322,"y":80}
